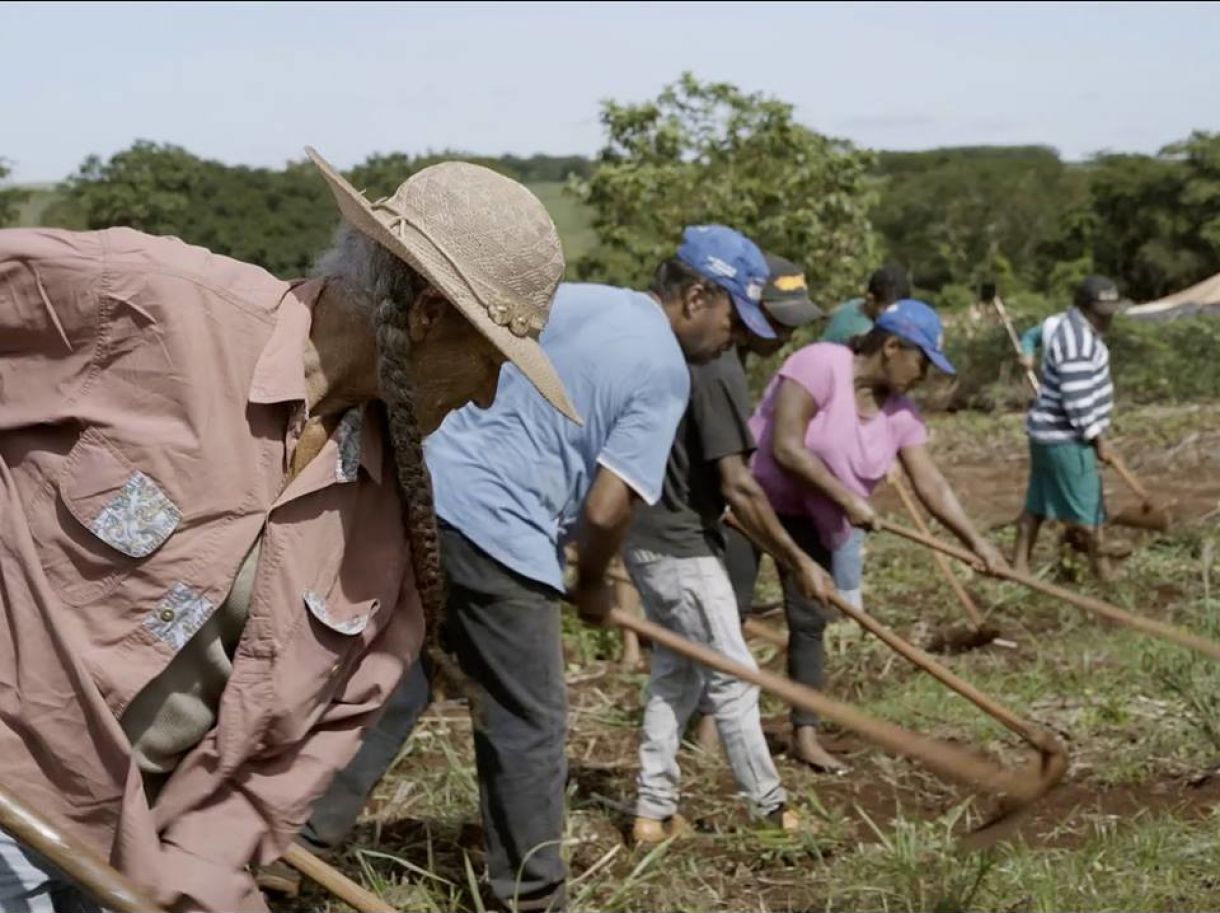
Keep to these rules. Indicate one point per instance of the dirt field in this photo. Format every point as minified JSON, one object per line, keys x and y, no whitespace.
{"x":1134,"y":825}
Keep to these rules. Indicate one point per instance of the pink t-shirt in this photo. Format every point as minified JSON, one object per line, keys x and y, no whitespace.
{"x":858,"y":452}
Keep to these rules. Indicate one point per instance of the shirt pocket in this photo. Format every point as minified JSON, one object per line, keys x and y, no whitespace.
{"x":348,"y":619}
{"x":109,"y":518}
{"x":341,"y":620}
{"x":316,"y":662}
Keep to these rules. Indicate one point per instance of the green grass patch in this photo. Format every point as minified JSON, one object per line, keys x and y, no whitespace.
{"x":571,"y":218}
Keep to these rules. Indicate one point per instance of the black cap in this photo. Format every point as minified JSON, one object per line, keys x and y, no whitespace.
{"x":1099,"y":294}
{"x":889,"y":284}
{"x":785,"y":297}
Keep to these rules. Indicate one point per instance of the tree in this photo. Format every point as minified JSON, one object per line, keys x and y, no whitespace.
{"x":149,"y":186}
{"x":703,"y":153}
{"x":380,"y":174}
{"x":549,"y":168}
{"x":1158,"y":217}
{"x":277,"y":219}
{"x":965,"y":215}
{"x":11,"y":198}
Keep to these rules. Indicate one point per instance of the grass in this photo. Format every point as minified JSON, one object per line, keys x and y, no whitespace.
{"x":1134,"y":826}
{"x":571,"y":219}
{"x":1151,"y":862}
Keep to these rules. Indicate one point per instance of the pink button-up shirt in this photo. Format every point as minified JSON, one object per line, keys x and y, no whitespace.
{"x":150,"y":394}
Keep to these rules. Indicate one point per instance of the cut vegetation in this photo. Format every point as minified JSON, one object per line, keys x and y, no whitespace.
{"x":1133,"y":826}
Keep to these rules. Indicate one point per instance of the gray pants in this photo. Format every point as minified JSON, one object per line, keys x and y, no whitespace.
{"x":30,"y":884}
{"x":506,"y":632}
{"x":693,"y":597}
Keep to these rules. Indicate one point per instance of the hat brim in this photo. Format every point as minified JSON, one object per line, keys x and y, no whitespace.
{"x":942,"y":364}
{"x":792,"y":312}
{"x":752,"y":316}
{"x":418,"y":251}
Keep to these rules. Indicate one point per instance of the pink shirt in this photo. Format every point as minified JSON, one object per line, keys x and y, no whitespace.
{"x":150,"y":394}
{"x":858,"y":452}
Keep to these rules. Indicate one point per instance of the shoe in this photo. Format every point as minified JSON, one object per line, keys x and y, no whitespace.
{"x":279,"y":878}
{"x":650,"y":831}
{"x":785,"y":819}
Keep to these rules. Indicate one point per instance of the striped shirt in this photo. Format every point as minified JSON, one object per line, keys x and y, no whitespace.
{"x":1077,"y":397}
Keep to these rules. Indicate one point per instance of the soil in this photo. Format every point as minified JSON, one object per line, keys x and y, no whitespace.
{"x":879,"y":789}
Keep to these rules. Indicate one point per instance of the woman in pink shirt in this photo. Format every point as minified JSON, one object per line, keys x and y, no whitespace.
{"x":830,"y":427}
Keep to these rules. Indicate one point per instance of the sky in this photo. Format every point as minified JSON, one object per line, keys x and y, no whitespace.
{"x":252,"y":83}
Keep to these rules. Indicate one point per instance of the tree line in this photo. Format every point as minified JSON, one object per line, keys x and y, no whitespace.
{"x":698,"y":152}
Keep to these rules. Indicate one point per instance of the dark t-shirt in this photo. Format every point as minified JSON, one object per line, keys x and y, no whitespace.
{"x":685,"y":522}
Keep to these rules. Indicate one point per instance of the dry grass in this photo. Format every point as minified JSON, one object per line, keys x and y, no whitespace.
{"x":1135,"y":825}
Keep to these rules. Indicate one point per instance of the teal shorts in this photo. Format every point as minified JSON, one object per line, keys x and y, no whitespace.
{"x":1064,"y":483}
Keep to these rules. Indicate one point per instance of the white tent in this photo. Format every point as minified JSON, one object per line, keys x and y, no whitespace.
{"x":1203,"y":298}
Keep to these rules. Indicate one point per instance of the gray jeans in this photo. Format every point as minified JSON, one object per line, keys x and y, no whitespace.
{"x":506,"y":632}
{"x":693,"y":597}
{"x":30,"y":884}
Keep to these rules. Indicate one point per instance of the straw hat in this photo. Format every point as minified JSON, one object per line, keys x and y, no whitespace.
{"x":484,"y":241}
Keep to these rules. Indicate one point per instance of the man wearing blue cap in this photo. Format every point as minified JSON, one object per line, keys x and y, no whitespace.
{"x":513,"y":486}
{"x":832,"y":424}
{"x":675,"y":556}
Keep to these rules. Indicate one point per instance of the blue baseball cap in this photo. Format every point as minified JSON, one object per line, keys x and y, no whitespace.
{"x":734,"y":262}
{"x":916,"y":322}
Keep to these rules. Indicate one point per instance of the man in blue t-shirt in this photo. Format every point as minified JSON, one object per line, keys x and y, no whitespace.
{"x":515,"y":482}
{"x":514,"y":485}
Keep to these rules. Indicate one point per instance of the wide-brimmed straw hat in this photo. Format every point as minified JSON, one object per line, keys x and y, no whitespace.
{"x":484,"y":241}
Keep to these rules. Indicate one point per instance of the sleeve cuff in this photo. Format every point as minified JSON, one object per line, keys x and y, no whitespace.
{"x":649,"y":495}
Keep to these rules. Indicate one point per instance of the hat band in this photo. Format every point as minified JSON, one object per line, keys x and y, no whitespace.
{"x":520,"y":318}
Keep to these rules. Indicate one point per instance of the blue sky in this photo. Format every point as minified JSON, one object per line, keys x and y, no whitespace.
{"x":254,"y":82}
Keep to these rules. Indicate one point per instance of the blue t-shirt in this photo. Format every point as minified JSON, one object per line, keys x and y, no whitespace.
{"x":512,"y":478}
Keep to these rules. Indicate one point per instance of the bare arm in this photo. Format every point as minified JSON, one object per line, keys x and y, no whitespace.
{"x":794,"y":410}
{"x":938,"y":497}
{"x":753,"y":514}
{"x":607,"y":516}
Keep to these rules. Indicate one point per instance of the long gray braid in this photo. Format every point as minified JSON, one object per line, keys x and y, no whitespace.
{"x":384,"y":287}
{"x":393,"y":368}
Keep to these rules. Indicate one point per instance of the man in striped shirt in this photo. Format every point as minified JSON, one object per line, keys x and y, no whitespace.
{"x":1067,"y":423}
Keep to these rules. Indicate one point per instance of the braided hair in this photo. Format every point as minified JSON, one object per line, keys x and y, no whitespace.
{"x":393,"y":372}
{"x":386,"y":287}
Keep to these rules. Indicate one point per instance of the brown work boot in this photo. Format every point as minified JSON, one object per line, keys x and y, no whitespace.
{"x":807,"y":750}
{"x":650,"y":831}
{"x":279,"y":878}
